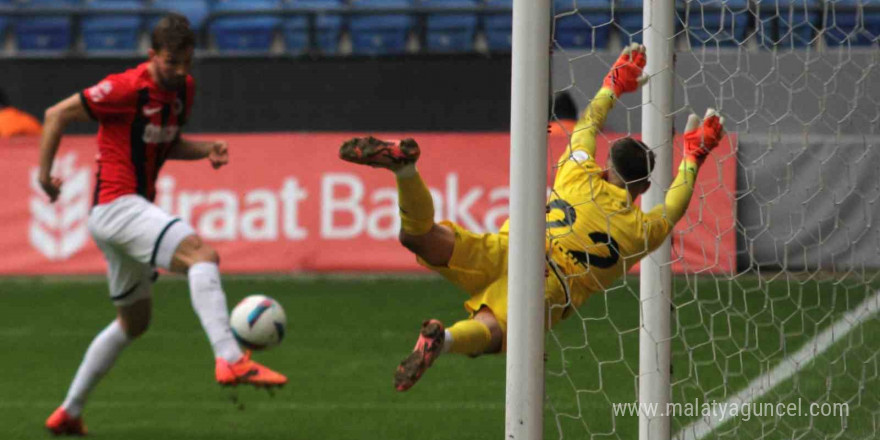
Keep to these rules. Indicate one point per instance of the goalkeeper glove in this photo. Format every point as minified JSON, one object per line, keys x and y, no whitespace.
{"x":626,"y":74}
{"x":699,"y":139}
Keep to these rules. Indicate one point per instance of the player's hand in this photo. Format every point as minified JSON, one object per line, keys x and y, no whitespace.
{"x":701,"y":139}
{"x":52,"y":187}
{"x":627,"y":73}
{"x":219,"y":154}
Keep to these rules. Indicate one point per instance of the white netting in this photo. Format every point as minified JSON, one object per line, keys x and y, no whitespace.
{"x":776,"y":263}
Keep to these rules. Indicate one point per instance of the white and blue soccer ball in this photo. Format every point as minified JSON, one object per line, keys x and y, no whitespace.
{"x":258,"y":322}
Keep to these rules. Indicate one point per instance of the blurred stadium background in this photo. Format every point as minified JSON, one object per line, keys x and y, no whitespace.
{"x":787,"y":246}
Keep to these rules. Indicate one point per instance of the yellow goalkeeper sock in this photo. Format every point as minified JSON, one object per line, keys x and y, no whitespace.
{"x":415,"y":201}
{"x":469,"y":337}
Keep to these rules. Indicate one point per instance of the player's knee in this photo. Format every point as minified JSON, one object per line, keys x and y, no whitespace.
{"x":496,"y":333}
{"x":199,"y":251}
{"x":136,"y":330}
{"x":430,"y":247}
{"x":209,"y":255}
{"x":413,"y":243}
{"x":497,"y":340}
{"x":496,"y":337}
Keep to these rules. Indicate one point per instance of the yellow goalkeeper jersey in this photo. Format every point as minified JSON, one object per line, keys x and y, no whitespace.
{"x":594,"y":231}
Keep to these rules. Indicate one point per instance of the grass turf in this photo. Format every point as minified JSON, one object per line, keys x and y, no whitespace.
{"x":346,"y":336}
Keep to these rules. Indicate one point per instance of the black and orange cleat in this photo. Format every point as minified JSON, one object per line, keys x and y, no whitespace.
{"x":62,"y":423}
{"x":428,"y":348}
{"x":247,"y":372}
{"x":378,"y":153}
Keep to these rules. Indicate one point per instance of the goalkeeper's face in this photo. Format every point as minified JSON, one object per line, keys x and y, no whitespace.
{"x":171,"y":67}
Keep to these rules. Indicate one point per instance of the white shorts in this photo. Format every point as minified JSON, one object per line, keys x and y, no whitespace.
{"x":136,"y":236}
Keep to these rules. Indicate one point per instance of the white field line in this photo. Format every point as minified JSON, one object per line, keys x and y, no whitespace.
{"x":701,"y":428}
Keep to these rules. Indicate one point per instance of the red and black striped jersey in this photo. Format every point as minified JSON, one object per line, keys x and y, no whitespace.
{"x":139,"y":123}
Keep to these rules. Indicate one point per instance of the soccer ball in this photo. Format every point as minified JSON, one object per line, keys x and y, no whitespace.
{"x":258,"y":322}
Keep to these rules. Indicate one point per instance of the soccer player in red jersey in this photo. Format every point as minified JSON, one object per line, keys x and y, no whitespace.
{"x":140,"y":113}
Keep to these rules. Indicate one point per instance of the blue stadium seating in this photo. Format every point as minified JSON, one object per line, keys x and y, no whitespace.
{"x":296,"y":34}
{"x":847,"y":27}
{"x":705,"y":26}
{"x":631,"y":22}
{"x":380,"y":34}
{"x":448,"y":32}
{"x":798,"y":31}
{"x":42,"y":33}
{"x":195,"y":10}
{"x":250,"y":33}
{"x":328,"y":28}
{"x":577,"y":27}
{"x":788,"y":22}
{"x":112,"y":32}
{"x":4,"y":21}
{"x":498,"y":26}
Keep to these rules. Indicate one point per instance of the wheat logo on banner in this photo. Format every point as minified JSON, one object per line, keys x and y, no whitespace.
{"x":60,"y":230}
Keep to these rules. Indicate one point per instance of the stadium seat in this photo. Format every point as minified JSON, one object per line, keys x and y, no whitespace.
{"x":112,"y":32}
{"x":380,"y":34}
{"x":252,"y":32}
{"x":712,"y":22}
{"x":4,"y":20}
{"x":848,"y":27}
{"x":447,"y":32}
{"x":328,"y":27}
{"x":498,"y":26}
{"x":577,"y":28}
{"x":631,"y":22}
{"x":789,"y":22}
{"x":45,"y":33}
{"x":799,"y":30}
{"x":195,"y":10}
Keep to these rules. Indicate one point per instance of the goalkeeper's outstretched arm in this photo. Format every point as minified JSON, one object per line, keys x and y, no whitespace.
{"x":625,"y":76}
{"x":699,"y":140}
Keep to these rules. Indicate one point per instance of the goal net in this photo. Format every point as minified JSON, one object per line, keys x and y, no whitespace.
{"x":775,"y":324}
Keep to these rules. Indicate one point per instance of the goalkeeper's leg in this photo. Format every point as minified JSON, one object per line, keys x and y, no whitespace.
{"x":418,"y":232}
{"x":472,"y":337}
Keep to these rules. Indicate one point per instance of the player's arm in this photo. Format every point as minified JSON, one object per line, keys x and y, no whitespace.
{"x":699,"y":141}
{"x":215,"y":151}
{"x":626,"y":75}
{"x":55,"y":120}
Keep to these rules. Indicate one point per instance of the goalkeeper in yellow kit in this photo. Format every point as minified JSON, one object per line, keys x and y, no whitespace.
{"x":594,"y":231}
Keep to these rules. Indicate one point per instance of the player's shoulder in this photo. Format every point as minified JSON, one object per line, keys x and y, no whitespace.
{"x":131,"y":77}
{"x":582,"y":160}
{"x":581,"y":156}
{"x":120,"y":85}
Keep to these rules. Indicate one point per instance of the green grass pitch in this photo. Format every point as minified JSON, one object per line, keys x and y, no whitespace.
{"x":346,"y":336}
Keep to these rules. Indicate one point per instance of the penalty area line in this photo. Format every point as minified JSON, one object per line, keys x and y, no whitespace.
{"x":785,"y":369}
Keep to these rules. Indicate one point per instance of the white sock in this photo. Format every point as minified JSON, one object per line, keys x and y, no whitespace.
{"x":99,"y":357}
{"x":407,"y":170}
{"x":447,"y":341}
{"x":209,"y":302}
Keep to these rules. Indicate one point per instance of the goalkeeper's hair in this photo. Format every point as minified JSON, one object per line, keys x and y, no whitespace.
{"x":172,"y":33}
{"x":632,"y":160}
{"x":564,"y":108}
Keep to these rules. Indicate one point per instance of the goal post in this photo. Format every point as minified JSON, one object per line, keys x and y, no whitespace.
{"x":655,"y":287}
{"x":528,"y":174}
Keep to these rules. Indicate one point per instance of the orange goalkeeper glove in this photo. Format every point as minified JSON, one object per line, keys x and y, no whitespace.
{"x":700,"y":139}
{"x":626,"y":73}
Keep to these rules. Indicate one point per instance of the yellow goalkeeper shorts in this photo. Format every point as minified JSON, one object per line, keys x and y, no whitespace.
{"x":479,"y":267}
